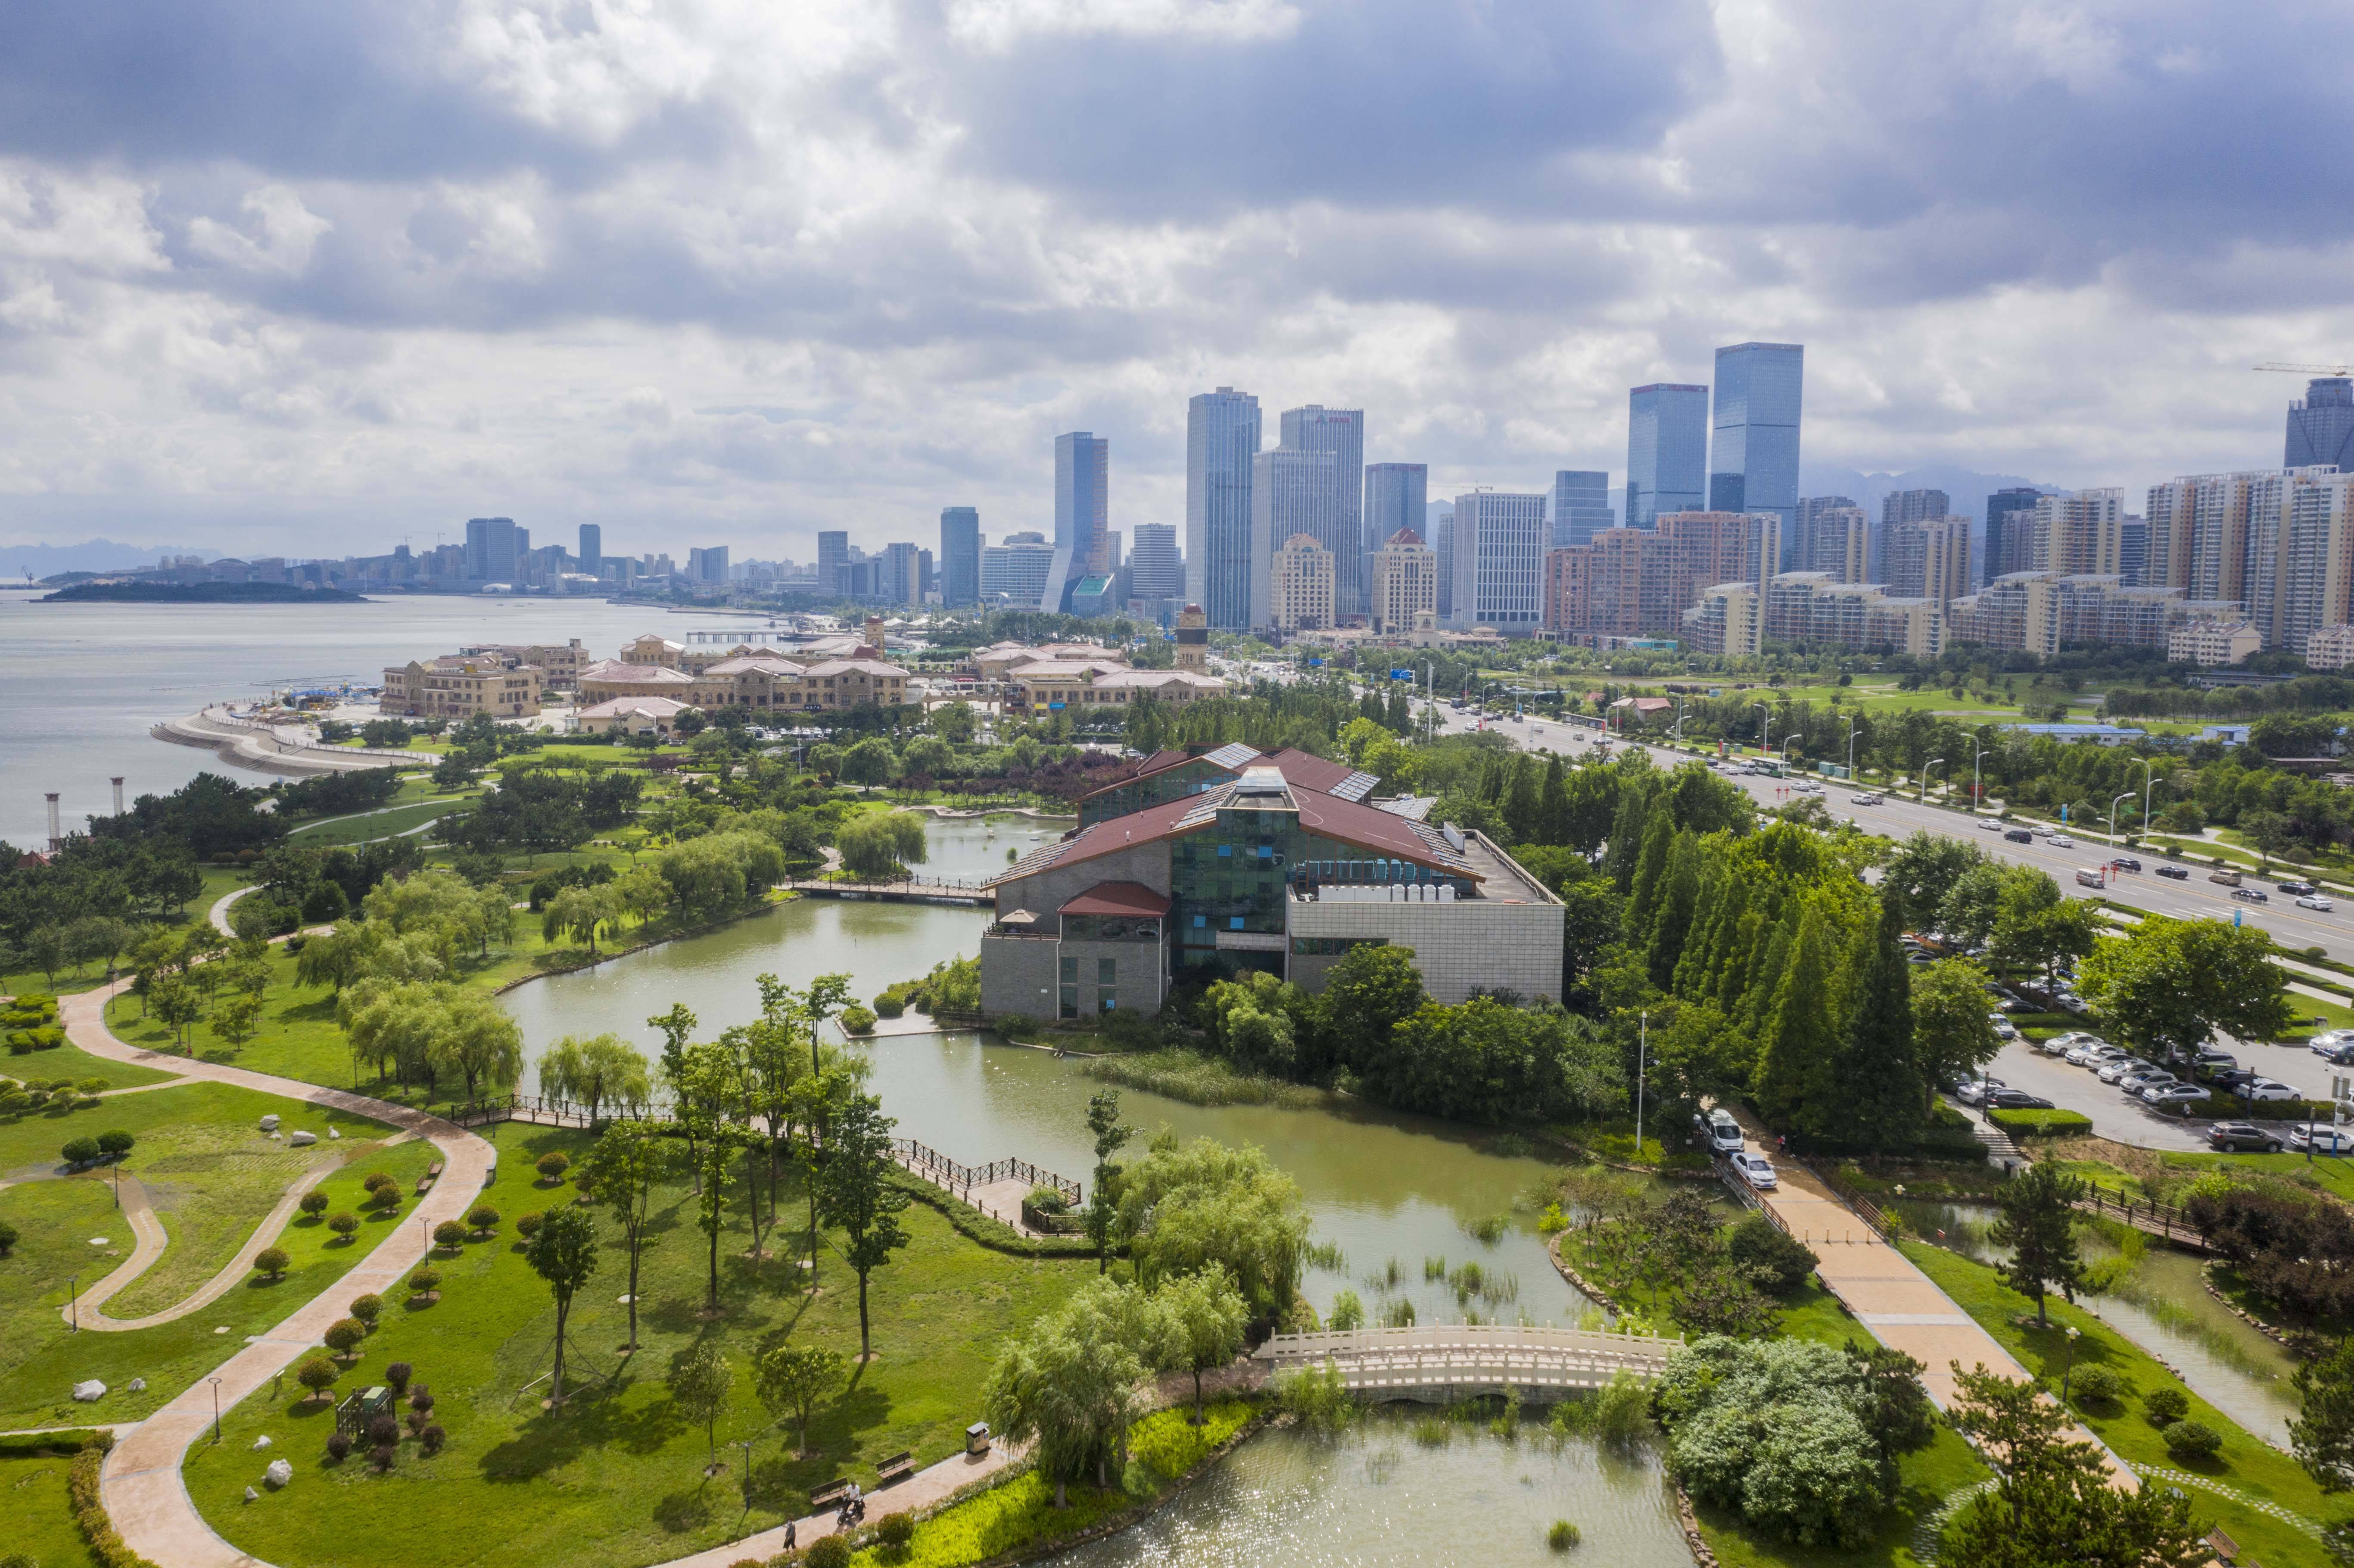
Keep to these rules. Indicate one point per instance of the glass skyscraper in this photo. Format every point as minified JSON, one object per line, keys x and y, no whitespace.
{"x":1581,"y":507}
{"x":2321,"y":427}
{"x":1082,"y":515}
{"x":959,"y":554}
{"x":1753,"y":467}
{"x":1222,"y":430}
{"x":1342,"y":432}
{"x":1666,"y":451}
{"x":1397,"y":496}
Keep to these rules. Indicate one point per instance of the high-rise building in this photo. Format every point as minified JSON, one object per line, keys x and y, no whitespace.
{"x":592,"y":549}
{"x":1500,"y":560}
{"x":1222,"y":434}
{"x":1156,"y":571}
{"x":900,"y":579}
{"x":959,"y":554}
{"x":1342,"y":432}
{"x":1397,"y":496}
{"x":1834,"y":538}
{"x":1014,"y":573}
{"x":2133,"y":549}
{"x":1666,"y":451}
{"x":1441,"y":534}
{"x":1896,"y":508}
{"x":2263,"y":539}
{"x":2004,"y":550}
{"x":493,"y":553}
{"x":1581,"y":507}
{"x":1302,"y":585}
{"x":833,"y":563}
{"x":1405,"y":582}
{"x":1292,"y":492}
{"x":1929,"y":557}
{"x":1634,"y":582}
{"x":1082,"y":515}
{"x":2080,"y":534}
{"x":708,"y":566}
{"x":2321,"y":426}
{"x":1753,"y":463}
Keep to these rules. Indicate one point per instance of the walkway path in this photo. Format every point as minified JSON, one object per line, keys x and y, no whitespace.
{"x":219,"y":916}
{"x":140,"y":1485}
{"x":149,"y":1239}
{"x":922,"y":1489}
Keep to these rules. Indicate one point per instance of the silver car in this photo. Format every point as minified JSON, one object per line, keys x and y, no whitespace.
{"x":2085,"y":1053}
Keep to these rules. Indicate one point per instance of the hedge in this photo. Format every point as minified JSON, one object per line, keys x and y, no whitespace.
{"x":2229,"y":1108}
{"x":976,"y":1226}
{"x":2044,"y":1123}
{"x":90,"y":1510}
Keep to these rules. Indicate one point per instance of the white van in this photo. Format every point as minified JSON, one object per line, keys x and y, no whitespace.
{"x":1721,"y":1132}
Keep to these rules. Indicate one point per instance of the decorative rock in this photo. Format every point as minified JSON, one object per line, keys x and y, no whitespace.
{"x":278,"y":1473}
{"x":269,"y":1123}
{"x":332,"y":1133}
{"x":137,"y":1385}
{"x":252,"y":1496}
{"x":98,"y":1241}
{"x":274,"y":1138}
{"x":261,"y":1441}
{"x":222,"y":1330}
{"x":91,"y":1392}
{"x":302,"y":1139}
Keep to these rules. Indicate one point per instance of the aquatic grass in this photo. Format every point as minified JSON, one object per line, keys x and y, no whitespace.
{"x":1199,"y":1080}
{"x":1392,"y":1276}
{"x":1434,"y":1267}
{"x":1433,"y":1431}
{"x":1325,"y":1255}
{"x":1398,"y":1314}
{"x":1489,"y":1230}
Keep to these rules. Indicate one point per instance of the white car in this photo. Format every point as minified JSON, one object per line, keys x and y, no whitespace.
{"x":2061,"y":840}
{"x":2268,"y":1089}
{"x":1974,"y":1091}
{"x":2315,"y":901}
{"x":2119,"y":1070}
{"x":1863,"y":800}
{"x":1754,"y":1169}
{"x":2322,"y":1045}
{"x":2162,"y":1095}
{"x":1990,"y":824}
{"x":2092,"y":1051}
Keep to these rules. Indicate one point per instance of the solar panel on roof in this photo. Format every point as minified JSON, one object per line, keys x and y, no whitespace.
{"x":1355,"y":787}
{"x":1233,"y":755}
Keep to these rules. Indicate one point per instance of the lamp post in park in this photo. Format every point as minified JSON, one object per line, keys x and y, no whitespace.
{"x":1933,"y":762}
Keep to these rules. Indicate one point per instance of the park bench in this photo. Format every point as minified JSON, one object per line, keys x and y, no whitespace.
{"x":827,"y":1497}
{"x":898,"y":1467}
{"x":431,"y":1171}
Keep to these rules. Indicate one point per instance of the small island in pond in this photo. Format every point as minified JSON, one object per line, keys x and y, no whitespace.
{"x":198,"y":593}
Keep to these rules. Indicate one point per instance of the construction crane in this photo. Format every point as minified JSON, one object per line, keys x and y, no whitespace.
{"x":2310,"y":369}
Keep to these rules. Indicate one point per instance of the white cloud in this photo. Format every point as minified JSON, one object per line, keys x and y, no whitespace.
{"x":279,"y":234}
{"x":1000,"y":24}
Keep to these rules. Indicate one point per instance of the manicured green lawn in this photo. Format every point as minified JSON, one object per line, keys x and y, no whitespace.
{"x":2246,"y":1464}
{"x":39,"y":1514}
{"x":616,"y":1477}
{"x":41,"y":1358}
{"x":327,"y":831}
{"x":74,"y":1063}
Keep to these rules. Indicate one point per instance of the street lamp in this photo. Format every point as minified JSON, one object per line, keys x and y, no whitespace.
{"x":1679,"y":721}
{"x":1977,"y":794}
{"x":216,"y":1383}
{"x":1643,"y":1044}
{"x":1851,"y":748}
{"x":73,"y":1293}
{"x":2068,"y":1367}
{"x":2113,"y":816}
{"x":1765,"y":743}
{"x":1933,"y":762}
{"x":2149,"y":775}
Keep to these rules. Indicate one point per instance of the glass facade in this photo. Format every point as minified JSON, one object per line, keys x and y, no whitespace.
{"x":1760,"y":392}
{"x":2321,"y":426}
{"x":1666,"y":451}
{"x":1581,"y":507}
{"x":1222,"y":437}
{"x":959,"y":554}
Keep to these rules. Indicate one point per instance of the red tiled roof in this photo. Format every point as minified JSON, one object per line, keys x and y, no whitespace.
{"x":1118,"y":898}
{"x":1307,"y":768}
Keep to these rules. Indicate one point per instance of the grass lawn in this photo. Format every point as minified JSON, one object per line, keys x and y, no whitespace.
{"x":40,"y":1515}
{"x":328,"y":832}
{"x":617,"y":1476}
{"x":41,"y":1358}
{"x":2245,"y":1464}
{"x":73,"y":1061}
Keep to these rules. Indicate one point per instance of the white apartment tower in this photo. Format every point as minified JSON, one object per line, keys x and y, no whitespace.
{"x":1302,"y":585}
{"x":1498,"y":566}
{"x":1405,"y":582}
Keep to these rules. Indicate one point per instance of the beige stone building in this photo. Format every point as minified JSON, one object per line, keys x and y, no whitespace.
{"x":1301,"y":596}
{"x":1405,"y":582}
{"x":2210,"y":643}
{"x":633,"y":715}
{"x":559,"y":664}
{"x":1079,"y":689}
{"x":765,"y":681}
{"x":459,"y":687}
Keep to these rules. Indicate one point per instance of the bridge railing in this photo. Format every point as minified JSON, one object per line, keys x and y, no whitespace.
{"x":947,"y":1173}
{"x":1494,"y":1337}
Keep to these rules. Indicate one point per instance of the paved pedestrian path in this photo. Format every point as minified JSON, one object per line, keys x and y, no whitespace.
{"x":922,"y":1489}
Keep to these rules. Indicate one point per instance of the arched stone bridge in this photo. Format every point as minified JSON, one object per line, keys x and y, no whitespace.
{"x":1443,"y":1363}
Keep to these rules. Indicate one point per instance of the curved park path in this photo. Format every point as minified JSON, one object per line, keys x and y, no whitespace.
{"x":140,"y":1485}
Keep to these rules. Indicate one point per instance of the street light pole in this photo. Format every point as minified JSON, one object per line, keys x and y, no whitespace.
{"x":1643,"y":1044}
{"x":1977,"y":794}
{"x":1766,"y":742}
{"x":2112,"y":817}
{"x":1933,"y":762}
{"x":2147,"y":774}
{"x":1850,"y":748}
{"x":2068,"y":1368}
{"x":216,"y":1383}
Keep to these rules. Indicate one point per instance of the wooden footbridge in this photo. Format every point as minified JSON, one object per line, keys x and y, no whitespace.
{"x":1447,"y":1363}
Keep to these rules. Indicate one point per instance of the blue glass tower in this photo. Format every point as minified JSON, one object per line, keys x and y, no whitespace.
{"x":1760,"y":387}
{"x":2321,"y":426}
{"x":1222,"y":434}
{"x":1581,"y":507}
{"x":1666,"y":451}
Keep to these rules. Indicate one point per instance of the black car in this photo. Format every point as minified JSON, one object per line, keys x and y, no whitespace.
{"x":2294,"y":888}
{"x":2125,"y":862}
{"x":2178,"y":872}
{"x":2232,"y":1079}
{"x":2241,"y":1137}
{"x":2252,"y":895}
{"x":2016,"y":1099}
{"x":2019,"y":835}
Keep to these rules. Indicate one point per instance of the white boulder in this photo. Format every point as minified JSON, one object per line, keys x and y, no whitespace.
{"x":302,"y":1139}
{"x":137,"y":1385}
{"x":261,"y":1441}
{"x":91,"y":1392}
{"x":252,"y":1496}
{"x":278,"y":1473}
{"x":332,"y":1133}
{"x":269,"y":1123}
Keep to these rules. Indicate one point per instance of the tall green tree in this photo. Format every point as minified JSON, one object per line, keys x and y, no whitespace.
{"x":1799,"y":1046}
{"x":793,"y":1378}
{"x":2036,"y":925}
{"x":2323,"y":1430}
{"x":1952,"y":1035}
{"x":701,"y":1379}
{"x":1881,"y":1097}
{"x":563,"y":1252}
{"x":1071,"y":1384}
{"x":855,"y":1196}
{"x":1671,"y":918}
{"x":1923,"y":872}
{"x":2169,"y":985}
{"x":2038,"y":1226}
{"x":1205,"y":1317}
{"x":1103,"y":1208}
{"x":1368,"y":993}
{"x":603,"y":1070}
{"x":628,"y":1164}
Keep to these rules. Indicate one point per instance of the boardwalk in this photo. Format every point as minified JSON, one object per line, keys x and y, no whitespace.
{"x":909,"y":891}
{"x":1444,"y":1362}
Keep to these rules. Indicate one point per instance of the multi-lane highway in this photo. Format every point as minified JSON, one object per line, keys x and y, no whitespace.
{"x":2291,"y":926}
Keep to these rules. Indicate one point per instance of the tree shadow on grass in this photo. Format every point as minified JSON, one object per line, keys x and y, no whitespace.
{"x":687,"y":1509}
{"x":593,"y":1417}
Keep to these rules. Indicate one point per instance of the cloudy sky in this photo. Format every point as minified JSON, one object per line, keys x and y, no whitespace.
{"x":283,"y":276}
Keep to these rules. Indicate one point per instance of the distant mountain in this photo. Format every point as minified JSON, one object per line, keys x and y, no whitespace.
{"x":19,"y":561}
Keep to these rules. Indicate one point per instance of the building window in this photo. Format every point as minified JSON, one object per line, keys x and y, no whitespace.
{"x":1107,"y":984}
{"x":1069,"y":982}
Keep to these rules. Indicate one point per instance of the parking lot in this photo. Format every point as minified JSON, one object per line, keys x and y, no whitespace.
{"x":2069,"y":1088}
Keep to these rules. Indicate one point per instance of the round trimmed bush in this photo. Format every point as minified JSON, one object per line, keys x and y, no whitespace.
{"x":2193,"y":1440}
{"x":552,"y":1165}
{"x":318,"y":1374}
{"x":421,"y":1399}
{"x":81,"y":1150}
{"x":431,"y":1439}
{"x":425,"y":1281}
{"x":272,"y":1261}
{"x":8,"y":1238}
{"x":339,"y":1446}
{"x":482,"y":1217}
{"x":527,"y":1225}
{"x":896,"y":1530}
{"x":398,"y":1375}
{"x":367,"y":1308}
{"x":383,"y":1455}
{"x":376,"y":1179}
{"x":855,"y":1020}
{"x":383,"y":1429}
{"x":828,"y":1551}
{"x":385,"y":1198}
{"x":117,"y":1142}
{"x":314,"y":1203}
{"x":449,"y":1234}
{"x":345,"y":1334}
{"x":344,"y":1225}
{"x":2095,"y":1385}
{"x":2165,"y":1406}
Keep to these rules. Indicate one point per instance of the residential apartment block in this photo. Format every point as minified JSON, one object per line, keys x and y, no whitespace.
{"x":1405,"y":582}
{"x":1736,"y":618}
{"x":1631,"y":582}
{"x":1301,"y":597}
{"x":2208,"y":644}
{"x":1928,"y":557}
{"x":2276,"y":541}
{"x":2039,"y":611}
{"x":1834,"y":538}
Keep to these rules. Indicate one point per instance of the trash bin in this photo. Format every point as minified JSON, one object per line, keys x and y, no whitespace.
{"x":976,"y":1437}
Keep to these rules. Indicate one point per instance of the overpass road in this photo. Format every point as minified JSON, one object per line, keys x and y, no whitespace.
{"x":2291,"y":926}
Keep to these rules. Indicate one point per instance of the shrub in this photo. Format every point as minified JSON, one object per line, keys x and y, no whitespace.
{"x":339,"y":1446}
{"x":2095,"y":1385}
{"x":117,"y":1141}
{"x":383,"y":1455}
{"x":527,"y":1225}
{"x":425,"y":1281}
{"x":314,"y":1203}
{"x":890,"y":1006}
{"x":385,"y":1198}
{"x":81,"y":1150}
{"x":369,"y":1308}
{"x":896,"y":1530}
{"x":2193,"y":1440}
{"x":1049,"y":1199}
{"x":552,"y":1165}
{"x":2044,"y":1123}
{"x":1317,"y":1397}
{"x":449,"y":1234}
{"x":431,"y":1439}
{"x":344,"y":1225}
{"x":482,"y":1217}
{"x":344,"y":1335}
{"x":1775,"y":1261}
{"x":383,"y":1429}
{"x":421,"y":1400}
{"x":2165,"y":1406}
{"x":8,"y":1238}
{"x":397,"y":1374}
{"x":855,"y":1020}
{"x":272,"y":1261}
{"x":376,"y":1178}
{"x":318,"y":1374}
{"x":1562,"y":1536}
{"x":1348,"y":1312}
{"x":828,"y":1551}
